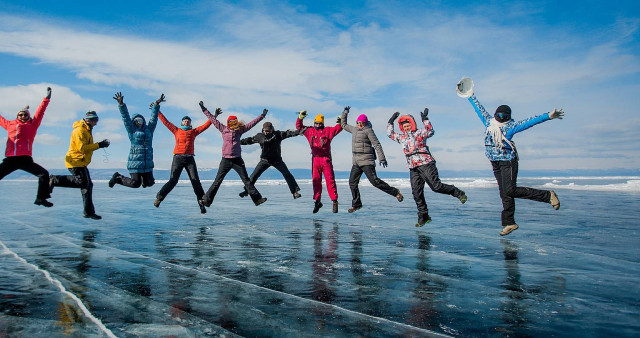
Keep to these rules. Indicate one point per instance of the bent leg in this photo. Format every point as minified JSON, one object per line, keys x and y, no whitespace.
{"x":134,"y":182}
{"x":417,"y":189}
{"x":43,"y":178}
{"x":354,"y":180}
{"x":241,"y":169}
{"x":223,"y":169}
{"x":147,"y":179}
{"x":372,"y":176}
{"x":192,"y":172}
{"x":288,"y":177}
{"x":430,"y":174}
{"x":260,"y":168}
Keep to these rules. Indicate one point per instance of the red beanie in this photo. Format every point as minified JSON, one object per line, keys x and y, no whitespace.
{"x":231,"y":117}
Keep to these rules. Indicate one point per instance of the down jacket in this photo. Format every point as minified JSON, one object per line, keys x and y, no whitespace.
{"x":81,"y":146}
{"x":185,"y":139}
{"x":271,"y":150}
{"x":414,"y":143}
{"x":230,"y":138}
{"x":21,"y":135}
{"x":141,"y":152}
{"x":364,"y":143}
{"x":504,"y":152}
{"x":319,"y":139}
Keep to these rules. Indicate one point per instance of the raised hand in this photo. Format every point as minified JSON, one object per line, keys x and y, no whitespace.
{"x":48,"y":92}
{"x":383,"y":163}
{"x":394,"y":117}
{"x":104,"y":143}
{"x":338,"y":120}
{"x":425,"y":114}
{"x":346,"y":109}
{"x":302,"y":114}
{"x":556,"y":114}
{"x":118,"y":97}
{"x":264,"y":112}
{"x":217,"y":112}
{"x":202,"y":106}
{"x":161,"y":99}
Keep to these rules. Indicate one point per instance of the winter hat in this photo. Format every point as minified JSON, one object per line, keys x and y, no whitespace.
{"x":186,"y":117}
{"x":25,"y":109}
{"x":231,"y":117}
{"x":319,"y":119}
{"x":362,"y":118}
{"x":91,"y":115}
{"x":267,"y":126}
{"x":407,"y":119}
{"x":503,"y":113}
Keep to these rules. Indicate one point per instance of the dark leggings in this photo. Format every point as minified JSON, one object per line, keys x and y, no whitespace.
{"x":428,"y":173}
{"x":137,"y":180}
{"x":179,"y":163}
{"x":370,"y":172}
{"x":79,"y":178}
{"x":237,"y":164}
{"x":13,"y":163}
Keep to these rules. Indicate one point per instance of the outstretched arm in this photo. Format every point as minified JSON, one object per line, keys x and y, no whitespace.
{"x":256,"y":120}
{"x":343,"y":120}
{"x":479,"y":108}
{"x":390,"y":131}
{"x":39,"y":115}
{"x":172,"y":128}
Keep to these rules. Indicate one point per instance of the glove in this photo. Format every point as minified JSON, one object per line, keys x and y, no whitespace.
{"x":151,"y":105}
{"x":264,"y":112}
{"x":394,"y":117}
{"x":104,"y":143}
{"x":346,"y":109}
{"x":161,"y":99}
{"x":302,"y":114}
{"x":217,"y":112}
{"x":118,"y":97}
{"x":556,"y":114}
{"x":338,"y":120}
{"x":48,"y":92}
{"x":202,"y":106}
{"x":383,"y":163}
{"x":425,"y":114}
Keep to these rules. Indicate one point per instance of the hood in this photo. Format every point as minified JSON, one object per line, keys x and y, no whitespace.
{"x":81,"y":124}
{"x":144,"y":121}
{"x":411,"y":120}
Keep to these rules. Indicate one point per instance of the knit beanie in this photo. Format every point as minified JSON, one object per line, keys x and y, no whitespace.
{"x":25,"y":109}
{"x":503,"y":113}
{"x":267,"y":126}
{"x":91,"y":115}
{"x":231,"y":117}
{"x":186,"y":117}
{"x":319,"y":119}
{"x":362,"y":118}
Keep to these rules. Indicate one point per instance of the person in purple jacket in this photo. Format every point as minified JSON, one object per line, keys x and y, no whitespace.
{"x":231,"y":154}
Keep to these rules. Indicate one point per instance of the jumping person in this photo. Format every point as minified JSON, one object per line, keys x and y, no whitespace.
{"x":81,"y":148}
{"x":232,"y":154}
{"x":21,"y":133}
{"x":140,"y":161}
{"x":183,"y":158}
{"x":501,"y":151}
{"x":364,"y":146}
{"x":319,"y":138}
{"x":421,"y":164}
{"x":271,"y":155}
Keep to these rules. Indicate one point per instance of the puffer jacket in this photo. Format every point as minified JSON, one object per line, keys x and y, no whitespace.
{"x":185,"y":139}
{"x":81,"y":146}
{"x":319,"y":139}
{"x":21,"y":135}
{"x":231,"y":138}
{"x":414,"y":143}
{"x":508,"y":151}
{"x":141,"y":152}
{"x":271,"y":150}
{"x":364,"y":143}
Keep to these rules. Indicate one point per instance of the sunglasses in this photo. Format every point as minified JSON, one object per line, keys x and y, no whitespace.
{"x":23,"y":114}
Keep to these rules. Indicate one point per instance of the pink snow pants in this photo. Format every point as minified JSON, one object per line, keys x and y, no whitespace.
{"x":323,"y":165}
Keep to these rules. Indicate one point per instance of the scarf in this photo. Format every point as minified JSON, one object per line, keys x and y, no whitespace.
{"x":496,"y":134}
{"x":185,"y":127}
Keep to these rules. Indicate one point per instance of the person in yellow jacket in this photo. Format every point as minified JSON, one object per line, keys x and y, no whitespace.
{"x":81,"y":148}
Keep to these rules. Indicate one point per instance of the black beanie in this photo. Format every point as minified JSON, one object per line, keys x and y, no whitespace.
{"x":267,"y":126}
{"x":503,"y":113}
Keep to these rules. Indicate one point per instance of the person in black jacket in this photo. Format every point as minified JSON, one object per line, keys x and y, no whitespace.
{"x":271,"y":155}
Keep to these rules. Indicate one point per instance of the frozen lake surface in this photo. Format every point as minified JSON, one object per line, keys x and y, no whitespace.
{"x":279,"y":270}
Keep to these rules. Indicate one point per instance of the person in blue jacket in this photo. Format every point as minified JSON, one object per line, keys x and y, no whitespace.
{"x":501,"y":151}
{"x":140,"y":161}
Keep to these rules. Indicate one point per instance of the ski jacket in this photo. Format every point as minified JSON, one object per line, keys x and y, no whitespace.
{"x":507,"y":151}
{"x":21,"y":135}
{"x":231,"y":138}
{"x":81,"y":146}
{"x":364,"y":143}
{"x":414,"y":143}
{"x":271,"y":150}
{"x":319,"y":139}
{"x":141,"y":152}
{"x":185,"y":139}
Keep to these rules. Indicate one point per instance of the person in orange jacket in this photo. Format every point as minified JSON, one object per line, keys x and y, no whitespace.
{"x":81,"y":148}
{"x":21,"y":133}
{"x":183,"y":158}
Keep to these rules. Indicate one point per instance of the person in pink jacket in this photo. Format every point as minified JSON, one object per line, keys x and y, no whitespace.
{"x":319,"y":138}
{"x":231,"y":154}
{"x":21,"y":133}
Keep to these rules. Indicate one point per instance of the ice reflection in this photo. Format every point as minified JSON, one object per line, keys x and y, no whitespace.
{"x":514,"y":306}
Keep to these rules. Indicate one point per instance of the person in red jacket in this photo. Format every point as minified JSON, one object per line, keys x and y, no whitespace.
{"x":21,"y":133}
{"x":183,"y":157}
{"x":319,"y":138}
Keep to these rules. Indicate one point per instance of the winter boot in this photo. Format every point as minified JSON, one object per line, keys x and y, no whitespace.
{"x":353,"y":209}
{"x":243,"y":194}
{"x":555,"y":202}
{"x":156,"y":203}
{"x":422,"y":221}
{"x":260,"y":201}
{"x":203,"y":210}
{"x":296,"y":195}
{"x":400,"y":197}
{"x":508,"y":229}
{"x":317,"y":206}
{"x":462,"y":198}
{"x":92,"y":216}
{"x":43,"y":202}
{"x":115,"y":179}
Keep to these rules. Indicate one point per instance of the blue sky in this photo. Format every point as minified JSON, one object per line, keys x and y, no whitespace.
{"x":376,"y":56}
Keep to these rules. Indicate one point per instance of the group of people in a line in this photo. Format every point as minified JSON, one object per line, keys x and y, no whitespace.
{"x":366,"y":149}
